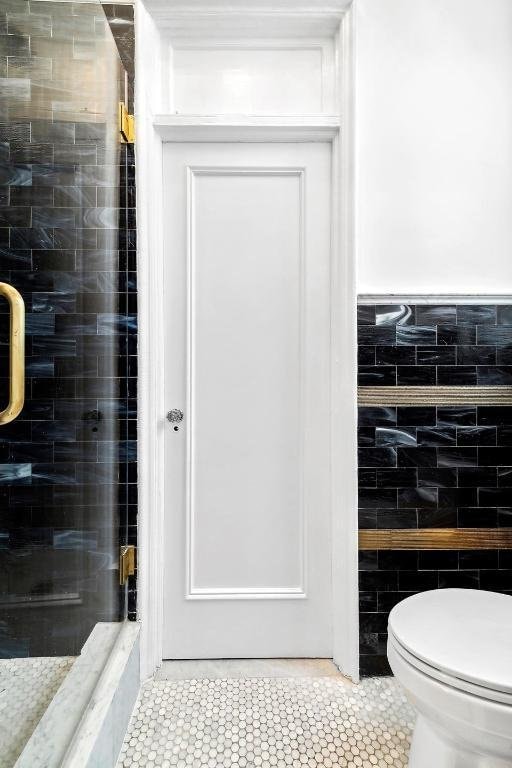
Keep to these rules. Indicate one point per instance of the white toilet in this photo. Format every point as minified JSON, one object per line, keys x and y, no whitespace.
{"x":451,"y":649}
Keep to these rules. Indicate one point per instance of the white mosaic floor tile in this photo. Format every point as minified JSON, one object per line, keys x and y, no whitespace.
{"x":26,"y":688}
{"x":298,"y":722}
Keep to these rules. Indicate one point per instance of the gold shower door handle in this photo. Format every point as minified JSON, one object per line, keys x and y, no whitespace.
{"x":16,"y":353}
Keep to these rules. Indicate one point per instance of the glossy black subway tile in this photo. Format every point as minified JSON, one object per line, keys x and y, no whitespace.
{"x":467,"y":579}
{"x":495,"y":497}
{"x":474,"y":314}
{"x":504,"y":476}
{"x":450,"y":335}
{"x":397,"y":560}
{"x":381,"y":581}
{"x":415,"y":375}
{"x":395,"y":355}
{"x":504,"y":435}
{"x":496,"y":457}
{"x":424,"y":497}
{"x":457,"y":457}
{"x":366,"y":437}
{"x":438,"y":560}
{"x":497,"y":580}
{"x":394,"y":314}
{"x":457,"y":375}
{"x":456,"y":416}
{"x":504,"y":355}
{"x":377,"y":457}
{"x":476,"y":436}
{"x":367,"y":478}
{"x":477,"y":477}
{"x":377,"y":416}
{"x":437,"y":478}
{"x":497,"y":375}
{"x":476,"y":355}
{"x":373,"y":335}
{"x":396,"y":518}
{"x":493,"y":415}
{"x":458,"y":497}
{"x":366,"y":314}
{"x":430,"y":314}
{"x":437,"y":355}
{"x":421,"y":416}
{"x":372,"y":498}
{"x":504,"y":314}
{"x":367,"y":518}
{"x":395,"y":436}
{"x":396,"y":478}
{"x":366,"y":355}
{"x":470,"y":559}
{"x":416,"y":457}
{"x":477,"y":517}
{"x":500,"y":335}
{"x":412,"y":335}
{"x":504,"y":517}
{"x":374,"y":376}
{"x":436,"y":436}
{"x":417,"y":581}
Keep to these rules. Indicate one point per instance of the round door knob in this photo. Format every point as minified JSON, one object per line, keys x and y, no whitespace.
{"x":175,"y":416}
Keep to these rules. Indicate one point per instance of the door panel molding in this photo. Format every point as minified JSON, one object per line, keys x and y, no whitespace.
{"x":196,"y":591}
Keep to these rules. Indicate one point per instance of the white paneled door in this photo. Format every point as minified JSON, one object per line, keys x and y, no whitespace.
{"x":247,"y":349}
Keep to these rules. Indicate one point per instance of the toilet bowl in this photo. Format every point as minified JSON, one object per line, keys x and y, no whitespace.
{"x":451,"y":650}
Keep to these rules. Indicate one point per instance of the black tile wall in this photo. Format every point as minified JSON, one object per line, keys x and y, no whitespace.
{"x":431,"y":467}
{"x":67,"y":464}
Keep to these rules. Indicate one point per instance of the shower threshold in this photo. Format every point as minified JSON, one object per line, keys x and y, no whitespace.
{"x":84,"y":723}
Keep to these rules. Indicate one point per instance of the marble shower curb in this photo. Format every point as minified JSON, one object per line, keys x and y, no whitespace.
{"x":85,"y":723}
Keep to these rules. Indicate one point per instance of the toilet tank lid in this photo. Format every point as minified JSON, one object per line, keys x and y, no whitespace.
{"x":466,"y":633}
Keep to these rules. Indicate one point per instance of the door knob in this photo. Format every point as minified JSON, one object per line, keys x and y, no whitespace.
{"x":175,"y":416}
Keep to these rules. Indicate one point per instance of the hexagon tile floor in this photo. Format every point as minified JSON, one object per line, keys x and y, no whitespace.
{"x":287,"y":721}
{"x":26,"y":688}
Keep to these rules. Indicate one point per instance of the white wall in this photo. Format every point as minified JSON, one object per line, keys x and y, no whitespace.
{"x":434,"y":145}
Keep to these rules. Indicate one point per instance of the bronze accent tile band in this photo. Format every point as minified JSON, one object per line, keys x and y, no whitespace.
{"x":449,"y":395}
{"x":436,"y":538}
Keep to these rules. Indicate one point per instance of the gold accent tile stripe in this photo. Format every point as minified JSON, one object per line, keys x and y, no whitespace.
{"x":436,"y":538}
{"x":456,"y":395}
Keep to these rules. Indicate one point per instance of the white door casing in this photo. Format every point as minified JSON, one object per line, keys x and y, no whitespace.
{"x":247,"y":526}
{"x":158,"y":123}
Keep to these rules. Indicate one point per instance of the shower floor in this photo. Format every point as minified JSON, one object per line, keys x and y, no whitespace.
{"x":27,"y":686}
{"x":273,"y":720}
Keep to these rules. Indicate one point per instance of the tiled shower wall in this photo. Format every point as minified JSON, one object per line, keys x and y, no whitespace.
{"x":67,"y":474}
{"x":431,"y":467}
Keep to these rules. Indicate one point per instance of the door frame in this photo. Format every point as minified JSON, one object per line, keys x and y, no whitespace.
{"x":153,"y":132}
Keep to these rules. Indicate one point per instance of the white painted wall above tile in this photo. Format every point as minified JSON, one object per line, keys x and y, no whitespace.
{"x":434,"y":146}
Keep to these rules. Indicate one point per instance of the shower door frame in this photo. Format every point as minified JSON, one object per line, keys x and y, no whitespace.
{"x":152,"y":132}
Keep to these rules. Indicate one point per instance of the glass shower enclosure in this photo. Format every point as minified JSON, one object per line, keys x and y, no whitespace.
{"x":66,"y":256}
